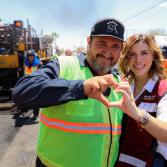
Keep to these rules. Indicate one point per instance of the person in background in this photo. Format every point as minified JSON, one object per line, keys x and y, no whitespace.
{"x":164,"y":51}
{"x":165,"y":65}
{"x":77,"y":127}
{"x":57,"y":51}
{"x":144,"y":102}
{"x":68,"y":52}
{"x":32,"y":63}
{"x":80,"y":50}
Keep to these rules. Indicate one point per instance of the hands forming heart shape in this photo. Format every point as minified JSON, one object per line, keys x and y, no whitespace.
{"x":96,"y":86}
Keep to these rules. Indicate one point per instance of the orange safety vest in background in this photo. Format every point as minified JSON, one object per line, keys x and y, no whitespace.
{"x":29,"y":70}
{"x":165,"y":65}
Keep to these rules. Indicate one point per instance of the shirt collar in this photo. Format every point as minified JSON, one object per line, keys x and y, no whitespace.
{"x":149,"y":85}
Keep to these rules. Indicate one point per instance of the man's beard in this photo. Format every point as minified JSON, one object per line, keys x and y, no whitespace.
{"x":99,"y":68}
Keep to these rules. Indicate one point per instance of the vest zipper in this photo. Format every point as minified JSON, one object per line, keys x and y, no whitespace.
{"x":108,"y":158}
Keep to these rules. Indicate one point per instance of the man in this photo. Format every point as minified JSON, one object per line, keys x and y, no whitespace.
{"x":32,"y":62}
{"x":77,"y":129}
{"x":68,"y":52}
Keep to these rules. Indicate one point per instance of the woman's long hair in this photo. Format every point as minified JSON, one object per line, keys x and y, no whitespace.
{"x":157,"y":67}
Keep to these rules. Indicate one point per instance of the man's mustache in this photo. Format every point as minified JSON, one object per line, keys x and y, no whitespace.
{"x":101,"y":55}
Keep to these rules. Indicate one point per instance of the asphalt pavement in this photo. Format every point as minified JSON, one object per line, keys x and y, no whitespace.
{"x":18,"y":137}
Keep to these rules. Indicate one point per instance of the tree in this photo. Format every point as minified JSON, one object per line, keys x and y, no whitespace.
{"x":158,"y":31}
{"x":46,"y":41}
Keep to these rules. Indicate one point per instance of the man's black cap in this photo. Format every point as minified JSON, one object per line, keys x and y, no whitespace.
{"x":108,"y":27}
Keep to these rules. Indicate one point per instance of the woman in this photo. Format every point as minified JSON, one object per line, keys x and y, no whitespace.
{"x":145,"y":119}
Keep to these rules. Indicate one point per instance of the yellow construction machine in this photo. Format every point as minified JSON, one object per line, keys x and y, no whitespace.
{"x":15,"y":40}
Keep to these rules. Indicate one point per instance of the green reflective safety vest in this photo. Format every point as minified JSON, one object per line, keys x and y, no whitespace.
{"x":81,"y":133}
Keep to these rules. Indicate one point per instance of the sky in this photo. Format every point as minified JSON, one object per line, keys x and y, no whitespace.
{"x":72,"y":20}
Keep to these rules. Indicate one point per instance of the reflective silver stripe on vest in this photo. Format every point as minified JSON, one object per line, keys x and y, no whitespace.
{"x":131,"y":160}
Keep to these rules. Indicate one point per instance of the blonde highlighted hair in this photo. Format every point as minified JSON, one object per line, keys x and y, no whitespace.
{"x":157,"y":65}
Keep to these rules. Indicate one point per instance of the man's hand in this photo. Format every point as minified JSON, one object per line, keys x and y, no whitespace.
{"x":96,"y":86}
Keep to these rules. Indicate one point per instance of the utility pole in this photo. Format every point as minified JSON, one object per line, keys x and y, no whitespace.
{"x":29,"y":35}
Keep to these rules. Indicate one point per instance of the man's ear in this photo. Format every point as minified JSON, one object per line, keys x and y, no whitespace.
{"x":88,"y":40}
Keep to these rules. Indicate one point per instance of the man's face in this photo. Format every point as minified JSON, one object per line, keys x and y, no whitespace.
{"x":103,"y":53}
{"x":30,"y":58}
{"x":68,"y":52}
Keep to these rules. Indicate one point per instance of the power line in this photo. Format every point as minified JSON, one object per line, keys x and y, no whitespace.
{"x":152,"y":16}
{"x":144,"y":10}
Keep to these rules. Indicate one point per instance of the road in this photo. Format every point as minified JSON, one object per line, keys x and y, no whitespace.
{"x":18,"y":137}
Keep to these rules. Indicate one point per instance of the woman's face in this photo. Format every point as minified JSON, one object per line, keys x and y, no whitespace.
{"x":140,"y":59}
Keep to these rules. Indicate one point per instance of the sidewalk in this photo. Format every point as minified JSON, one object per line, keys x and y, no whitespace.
{"x":21,"y":151}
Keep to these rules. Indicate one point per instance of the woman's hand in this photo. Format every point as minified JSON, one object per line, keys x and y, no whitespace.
{"x":127,"y":102}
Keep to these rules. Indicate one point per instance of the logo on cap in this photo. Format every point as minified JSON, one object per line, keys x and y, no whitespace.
{"x":108,"y":27}
{"x":112,"y":26}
